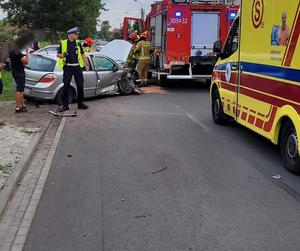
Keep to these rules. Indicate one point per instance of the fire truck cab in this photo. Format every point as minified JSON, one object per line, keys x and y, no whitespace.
{"x":183,"y":33}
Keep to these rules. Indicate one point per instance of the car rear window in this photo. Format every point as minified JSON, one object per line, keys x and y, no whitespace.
{"x":40,"y":63}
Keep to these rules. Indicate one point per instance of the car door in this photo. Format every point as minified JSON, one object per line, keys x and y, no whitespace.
{"x":230,"y":71}
{"x":90,"y":82}
{"x":107,"y":75}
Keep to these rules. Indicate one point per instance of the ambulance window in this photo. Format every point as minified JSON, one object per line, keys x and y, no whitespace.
{"x":232,"y":43}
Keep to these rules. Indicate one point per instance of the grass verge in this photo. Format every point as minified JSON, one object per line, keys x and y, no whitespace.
{"x":9,"y":90}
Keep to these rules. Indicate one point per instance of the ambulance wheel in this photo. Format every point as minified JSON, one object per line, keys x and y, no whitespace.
{"x":289,"y":148}
{"x":218,"y":114}
{"x":60,"y":96}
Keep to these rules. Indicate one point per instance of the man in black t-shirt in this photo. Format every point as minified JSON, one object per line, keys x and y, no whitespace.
{"x":18,"y":61}
{"x":72,"y":60}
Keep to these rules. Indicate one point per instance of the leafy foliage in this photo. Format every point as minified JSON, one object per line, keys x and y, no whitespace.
{"x":54,"y":16}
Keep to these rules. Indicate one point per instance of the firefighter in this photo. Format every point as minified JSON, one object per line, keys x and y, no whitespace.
{"x":87,"y":45}
{"x":132,"y":61}
{"x":143,"y":51}
{"x":72,"y":60}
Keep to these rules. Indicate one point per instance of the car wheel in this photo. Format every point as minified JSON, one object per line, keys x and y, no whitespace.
{"x":289,"y":148}
{"x":218,"y":114}
{"x":60,"y":95}
{"x":124,"y":86}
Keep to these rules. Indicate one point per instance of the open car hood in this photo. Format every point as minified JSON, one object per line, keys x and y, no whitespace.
{"x":118,"y":50}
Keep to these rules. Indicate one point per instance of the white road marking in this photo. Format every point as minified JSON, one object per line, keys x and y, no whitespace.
{"x":194,"y":119}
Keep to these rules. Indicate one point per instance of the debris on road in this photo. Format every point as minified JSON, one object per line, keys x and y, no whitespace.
{"x":277,"y":177}
{"x":160,"y":171}
{"x":140,"y":216}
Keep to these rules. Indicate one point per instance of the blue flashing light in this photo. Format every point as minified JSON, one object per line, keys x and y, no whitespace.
{"x":232,"y":15}
{"x":178,"y":14}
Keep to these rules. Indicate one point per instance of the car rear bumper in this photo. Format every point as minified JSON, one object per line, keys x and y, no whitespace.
{"x":37,"y":93}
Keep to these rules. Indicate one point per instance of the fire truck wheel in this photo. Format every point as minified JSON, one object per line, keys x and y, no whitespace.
{"x":163,"y":80}
{"x":289,"y":148}
{"x":218,"y":114}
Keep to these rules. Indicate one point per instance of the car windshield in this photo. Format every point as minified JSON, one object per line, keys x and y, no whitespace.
{"x":40,"y":63}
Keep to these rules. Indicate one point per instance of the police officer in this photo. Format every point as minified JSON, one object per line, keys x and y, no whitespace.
{"x":143,"y":51}
{"x":72,"y":60}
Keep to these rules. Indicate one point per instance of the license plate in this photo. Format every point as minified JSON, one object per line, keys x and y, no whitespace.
{"x":27,"y":91}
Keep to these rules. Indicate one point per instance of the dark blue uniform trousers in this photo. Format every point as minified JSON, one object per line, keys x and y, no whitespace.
{"x":69,"y":72}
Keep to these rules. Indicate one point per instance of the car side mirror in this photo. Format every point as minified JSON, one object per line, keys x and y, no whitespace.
{"x":217,"y":47}
{"x":115,"y":68}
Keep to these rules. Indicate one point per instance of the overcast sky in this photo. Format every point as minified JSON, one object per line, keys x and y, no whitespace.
{"x":120,"y":8}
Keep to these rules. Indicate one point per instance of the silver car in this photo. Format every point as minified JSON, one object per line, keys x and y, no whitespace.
{"x":45,"y":81}
{"x":50,"y":49}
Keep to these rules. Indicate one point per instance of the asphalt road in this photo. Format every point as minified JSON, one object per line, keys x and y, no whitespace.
{"x":153,"y":172}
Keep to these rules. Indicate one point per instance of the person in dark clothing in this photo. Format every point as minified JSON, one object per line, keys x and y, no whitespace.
{"x":2,"y":67}
{"x":72,"y":60}
{"x":18,"y":61}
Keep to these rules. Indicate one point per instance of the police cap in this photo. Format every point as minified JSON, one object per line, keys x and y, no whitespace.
{"x":74,"y":30}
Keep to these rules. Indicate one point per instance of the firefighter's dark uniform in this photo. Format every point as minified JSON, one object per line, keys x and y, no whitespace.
{"x":72,"y":65}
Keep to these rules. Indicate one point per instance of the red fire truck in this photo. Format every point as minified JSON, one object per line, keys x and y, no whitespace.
{"x":183,"y":33}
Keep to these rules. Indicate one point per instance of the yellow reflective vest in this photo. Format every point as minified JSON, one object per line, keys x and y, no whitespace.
{"x":143,"y":50}
{"x":64,"y":48}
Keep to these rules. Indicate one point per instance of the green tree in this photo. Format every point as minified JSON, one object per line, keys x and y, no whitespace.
{"x":105,"y":31}
{"x":117,"y":34}
{"x":7,"y":32}
{"x":137,"y":27}
{"x":54,"y":16}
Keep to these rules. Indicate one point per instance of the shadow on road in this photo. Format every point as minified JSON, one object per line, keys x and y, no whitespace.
{"x":186,"y":85}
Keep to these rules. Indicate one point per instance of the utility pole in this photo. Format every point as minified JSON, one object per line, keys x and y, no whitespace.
{"x":142,"y":13}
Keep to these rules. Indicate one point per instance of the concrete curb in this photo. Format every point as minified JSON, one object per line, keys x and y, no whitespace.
{"x":20,"y":169}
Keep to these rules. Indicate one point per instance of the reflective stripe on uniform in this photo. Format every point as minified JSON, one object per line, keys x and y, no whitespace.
{"x":145,"y":47}
{"x":64,"y":48}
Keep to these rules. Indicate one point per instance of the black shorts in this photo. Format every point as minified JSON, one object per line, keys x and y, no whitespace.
{"x":19,"y":78}
{"x":1,"y":86}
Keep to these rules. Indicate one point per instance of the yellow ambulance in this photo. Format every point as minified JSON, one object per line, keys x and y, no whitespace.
{"x":256,"y":80}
